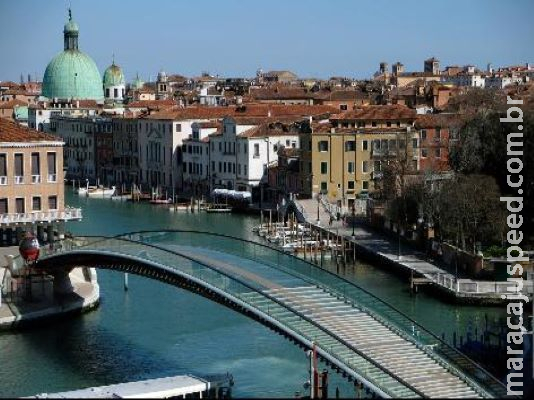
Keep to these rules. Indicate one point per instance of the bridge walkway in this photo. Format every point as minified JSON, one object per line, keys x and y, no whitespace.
{"x":350,"y":328}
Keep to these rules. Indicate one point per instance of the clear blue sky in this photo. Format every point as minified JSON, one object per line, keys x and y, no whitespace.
{"x":233,"y":38}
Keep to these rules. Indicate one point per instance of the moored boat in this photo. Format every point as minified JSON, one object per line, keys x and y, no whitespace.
{"x":101,"y":192}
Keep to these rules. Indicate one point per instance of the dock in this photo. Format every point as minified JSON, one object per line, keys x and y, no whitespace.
{"x":179,"y":387}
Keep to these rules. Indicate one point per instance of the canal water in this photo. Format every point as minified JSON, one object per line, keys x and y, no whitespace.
{"x":155,"y":330}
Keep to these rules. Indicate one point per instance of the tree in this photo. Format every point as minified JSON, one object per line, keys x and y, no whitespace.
{"x":471,"y":211}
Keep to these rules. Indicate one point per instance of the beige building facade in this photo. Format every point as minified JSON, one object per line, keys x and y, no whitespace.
{"x":31,"y":185}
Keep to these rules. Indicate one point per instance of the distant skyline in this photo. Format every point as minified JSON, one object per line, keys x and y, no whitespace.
{"x":233,"y":38}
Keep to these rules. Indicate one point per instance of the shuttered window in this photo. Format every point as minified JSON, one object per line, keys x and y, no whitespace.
{"x":51,"y":161}
{"x":36,"y":168}
{"x":3,"y":165}
{"x":19,"y":165}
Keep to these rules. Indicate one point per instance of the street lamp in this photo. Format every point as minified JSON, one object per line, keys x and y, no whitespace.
{"x":353,"y":218}
{"x":318,"y":203}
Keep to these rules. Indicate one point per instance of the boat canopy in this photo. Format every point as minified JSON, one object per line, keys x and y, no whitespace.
{"x":231,"y":194}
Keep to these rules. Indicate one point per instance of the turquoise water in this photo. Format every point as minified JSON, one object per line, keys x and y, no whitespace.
{"x":156,"y":330}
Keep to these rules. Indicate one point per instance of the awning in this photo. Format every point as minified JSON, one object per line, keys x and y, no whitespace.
{"x":231,"y":194}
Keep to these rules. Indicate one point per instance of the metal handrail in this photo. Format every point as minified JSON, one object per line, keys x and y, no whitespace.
{"x":457,"y":355}
{"x":412,"y":321}
{"x":271,"y":298}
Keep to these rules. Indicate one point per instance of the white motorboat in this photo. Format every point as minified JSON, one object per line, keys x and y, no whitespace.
{"x":102,"y":192}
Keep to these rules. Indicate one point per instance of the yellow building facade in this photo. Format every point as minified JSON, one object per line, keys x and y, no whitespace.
{"x":344,"y":159}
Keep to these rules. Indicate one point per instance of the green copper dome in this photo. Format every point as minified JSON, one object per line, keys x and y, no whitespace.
{"x":72,"y":74}
{"x":113,"y":76}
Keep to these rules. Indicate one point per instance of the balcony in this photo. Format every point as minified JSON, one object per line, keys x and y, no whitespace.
{"x":19,"y":180}
{"x":69,"y":214}
{"x":36,"y":179}
{"x":52,"y":178}
{"x":3,"y":180}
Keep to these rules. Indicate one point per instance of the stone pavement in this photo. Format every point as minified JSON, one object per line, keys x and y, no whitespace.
{"x":410,"y":259}
{"x":14,"y":309}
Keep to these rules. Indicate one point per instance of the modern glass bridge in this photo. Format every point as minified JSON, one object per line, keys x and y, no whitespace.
{"x":357,"y":333}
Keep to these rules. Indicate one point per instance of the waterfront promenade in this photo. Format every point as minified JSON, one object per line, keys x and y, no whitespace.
{"x":16,"y":310}
{"x":410,"y":260}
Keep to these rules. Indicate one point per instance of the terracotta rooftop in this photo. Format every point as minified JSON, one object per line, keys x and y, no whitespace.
{"x":209,"y":124}
{"x":280,"y":93}
{"x":385,"y":112}
{"x":13,"y":132}
{"x":340,"y":95}
{"x":327,"y":128}
{"x":152,"y":104}
{"x":9,"y":84}
{"x":17,"y":91}
{"x":269,"y":129}
{"x":247,"y":111}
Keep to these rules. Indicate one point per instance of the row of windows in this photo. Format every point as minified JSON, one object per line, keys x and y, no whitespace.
{"x":122,"y":145}
{"x":192,"y":149}
{"x":162,"y":127}
{"x":20,"y":204}
{"x":350,"y":186}
{"x":223,"y":167}
{"x":365,"y":124}
{"x":87,"y":128}
{"x":350,"y":145}
{"x":78,"y":141}
{"x":18,"y":164}
{"x":350,"y":167}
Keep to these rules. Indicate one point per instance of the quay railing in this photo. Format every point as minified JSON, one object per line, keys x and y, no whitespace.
{"x":42,"y":216}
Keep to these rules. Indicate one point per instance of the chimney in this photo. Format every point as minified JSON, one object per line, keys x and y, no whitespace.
{"x":332,"y":130}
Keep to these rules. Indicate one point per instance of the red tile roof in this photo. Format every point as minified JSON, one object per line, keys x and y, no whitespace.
{"x":270,"y":129}
{"x":327,"y":128}
{"x":13,"y":132}
{"x":152,"y":104}
{"x":386,"y":112}
{"x":246,"y":111}
{"x":9,"y":84}
{"x":17,"y":91}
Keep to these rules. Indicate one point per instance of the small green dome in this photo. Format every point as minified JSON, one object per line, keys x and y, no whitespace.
{"x":113,"y":76}
{"x":72,"y":74}
{"x":138,"y":83}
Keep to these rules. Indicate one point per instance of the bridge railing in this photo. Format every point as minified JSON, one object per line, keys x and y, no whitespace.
{"x":373,"y":372}
{"x":448,"y":356}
